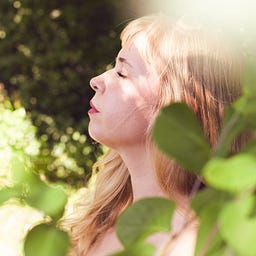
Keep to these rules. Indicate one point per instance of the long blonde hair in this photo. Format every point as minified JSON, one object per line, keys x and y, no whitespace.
{"x":193,"y":68}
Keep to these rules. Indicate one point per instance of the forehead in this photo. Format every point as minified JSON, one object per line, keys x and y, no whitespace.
{"x":134,"y":52}
{"x":137,"y":45}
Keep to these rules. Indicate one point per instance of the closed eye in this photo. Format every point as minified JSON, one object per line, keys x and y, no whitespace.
{"x":121,"y":75}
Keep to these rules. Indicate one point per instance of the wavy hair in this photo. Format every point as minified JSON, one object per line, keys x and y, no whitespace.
{"x":194,"y":68}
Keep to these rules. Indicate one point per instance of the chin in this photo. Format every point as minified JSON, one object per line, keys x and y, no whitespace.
{"x":97,"y":136}
{"x":92,"y":132}
{"x":93,"y":135}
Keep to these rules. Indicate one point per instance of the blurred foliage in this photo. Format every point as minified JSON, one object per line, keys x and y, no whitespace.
{"x":226,"y":206}
{"x":19,"y":149}
{"x":49,"y":51}
{"x":18,"y":137}
{"x":46,"y":240}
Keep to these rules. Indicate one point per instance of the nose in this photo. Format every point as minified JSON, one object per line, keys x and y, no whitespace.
{"x":97,"y":84}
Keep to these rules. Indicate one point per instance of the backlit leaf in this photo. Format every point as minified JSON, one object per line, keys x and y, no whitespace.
{"x":49,"y":199}
{"x":178,"y":133}
{"x":237,"y":227}
{"x":144,"y":218}
{"x":235,"y":174}
{"x":233,"y":124}
{"x":207,"y":205}
{"x":46,"y":240}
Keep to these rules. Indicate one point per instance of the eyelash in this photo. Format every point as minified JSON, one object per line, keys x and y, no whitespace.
{"x":120,"y":75}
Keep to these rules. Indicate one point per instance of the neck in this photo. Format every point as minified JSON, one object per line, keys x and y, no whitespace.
{"x":140,"y":165}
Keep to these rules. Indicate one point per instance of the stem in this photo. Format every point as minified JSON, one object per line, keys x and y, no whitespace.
{"x":175,"y":237}
{"x":226,"y":131}
{"x":208,"y":240}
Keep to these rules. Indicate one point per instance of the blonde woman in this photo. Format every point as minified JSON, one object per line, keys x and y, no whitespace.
{"x":160,"y":62}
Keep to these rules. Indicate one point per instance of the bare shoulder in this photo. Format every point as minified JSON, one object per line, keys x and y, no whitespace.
{"x":180,"y":241}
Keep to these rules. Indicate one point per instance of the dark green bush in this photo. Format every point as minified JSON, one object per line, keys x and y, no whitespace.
{"x":49,"y":52}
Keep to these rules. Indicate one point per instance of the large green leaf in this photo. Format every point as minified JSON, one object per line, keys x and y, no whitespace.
{"x":137,"y":250}
{"x":178,"y":133}
{"x":207,"y":205}
{"x":144,"y":218}
{"x":46,"y":240}
{"x":44,"y":197}
{"x":236,"y":174}
{"x":250,"y":148}
{"x":49,"y":199}
{"x":24,"y":180}
{"x":237,"y":227}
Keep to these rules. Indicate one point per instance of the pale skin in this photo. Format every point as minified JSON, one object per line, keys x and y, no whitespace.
{"x":121,"y":111}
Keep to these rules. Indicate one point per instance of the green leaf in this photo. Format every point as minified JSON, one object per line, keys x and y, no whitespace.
{"x":144,"y":218}
{"x":8,"y":193}
{"x":224,"y":250}
{"x":235,"y":174}
{"x":49,"y":199}
{"x":46,"y":240}
{"x":24,"y":180}
{"x":250,"y":148}
{"x":207,"y":205}
{"x":245,"y":106}
{"x":137,"y":250}
{"x":18,"y":170}
{"x":233,"y":124}
{"x":237,"y":227}
{"x":177,"y":133}
{"x":238,"y":118}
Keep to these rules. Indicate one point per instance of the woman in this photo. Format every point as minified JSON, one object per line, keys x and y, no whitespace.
{"x":159,"y":63}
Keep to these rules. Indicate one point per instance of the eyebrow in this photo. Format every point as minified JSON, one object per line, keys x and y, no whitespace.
{"x":123,"y":60}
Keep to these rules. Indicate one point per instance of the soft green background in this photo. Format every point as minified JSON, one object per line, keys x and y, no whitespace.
{"x":49,"y":50}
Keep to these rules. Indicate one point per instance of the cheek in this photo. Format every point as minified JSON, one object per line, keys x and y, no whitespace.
{"x":125,"y":117}
{"x":130,"y":119}
{"x":123,"y":126}
{"x":133,"y":112}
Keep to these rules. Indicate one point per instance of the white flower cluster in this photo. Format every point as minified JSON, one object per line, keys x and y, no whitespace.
{"x":17,"y":137}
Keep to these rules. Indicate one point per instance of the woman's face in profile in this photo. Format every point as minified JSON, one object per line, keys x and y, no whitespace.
{"x":124,"y":99}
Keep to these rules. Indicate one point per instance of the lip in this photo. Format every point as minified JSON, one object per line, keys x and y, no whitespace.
{"x":93,"y":109}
